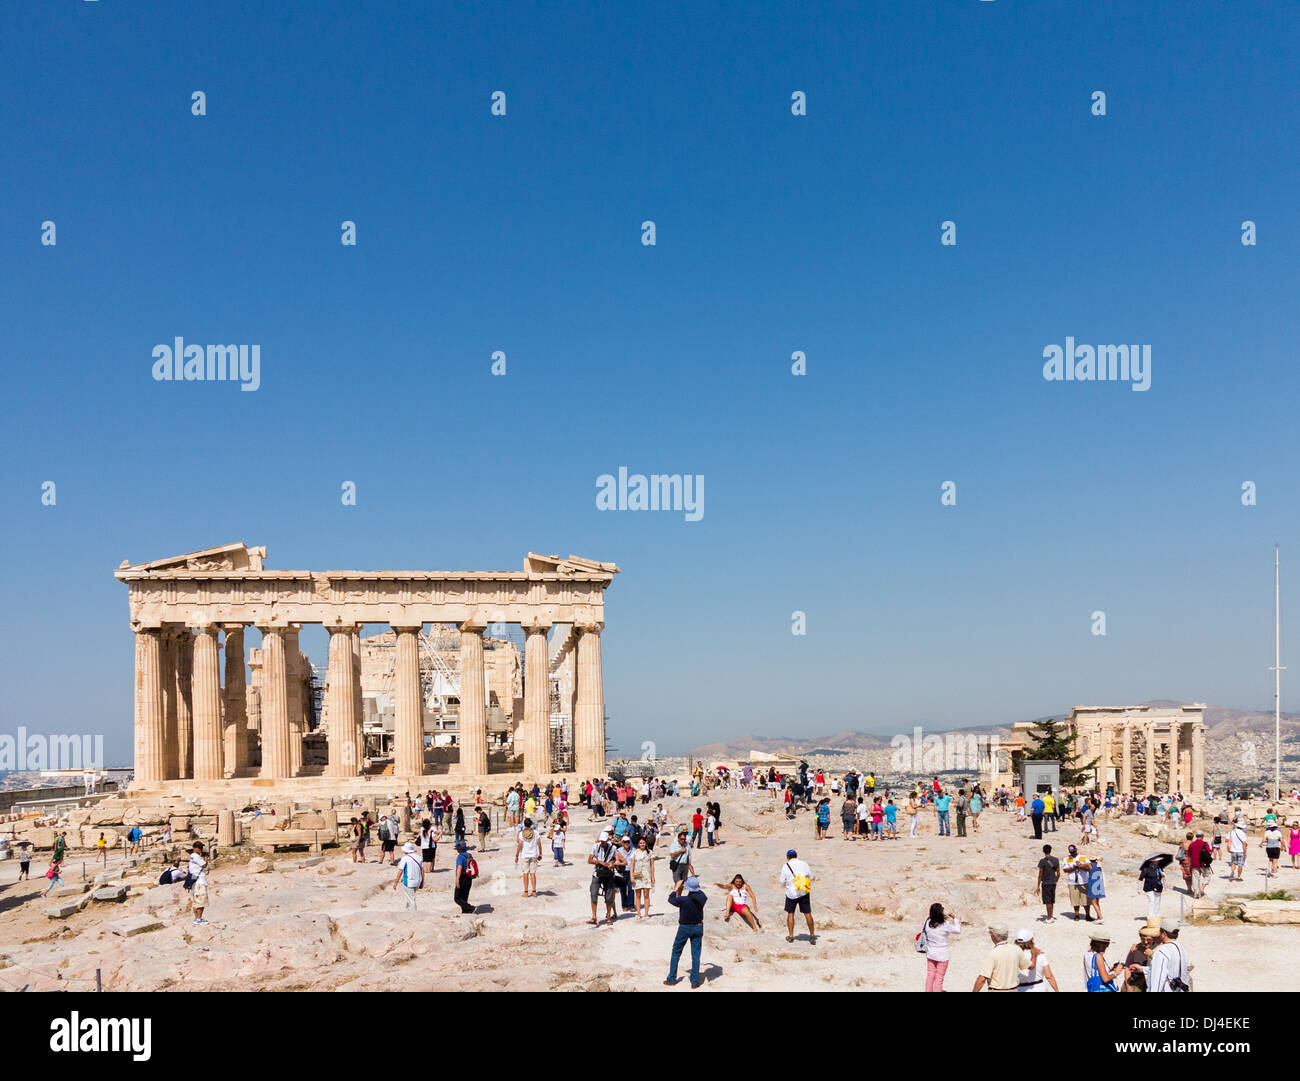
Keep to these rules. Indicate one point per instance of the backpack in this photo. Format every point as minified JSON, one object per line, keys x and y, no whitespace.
{"x":1207,"y":857}
{"x":920,"y":944}
{"x":165,"y":878}
{"x":471,"y":868}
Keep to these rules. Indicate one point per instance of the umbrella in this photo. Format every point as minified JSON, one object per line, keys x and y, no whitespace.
{"x":1160,"y":859}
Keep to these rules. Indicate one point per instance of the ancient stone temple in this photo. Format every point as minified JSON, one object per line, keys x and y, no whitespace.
{"x":1139,"y":749}
{"x":188,"y":610}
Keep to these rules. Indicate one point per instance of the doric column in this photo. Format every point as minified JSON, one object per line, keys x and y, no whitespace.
{"x":275,"y":705}
{"x":254,"y":734}
{"x":185,"y":701}
{"x":1105,"y":732}
{"x":150,"y":708}
{"x":206,"y":696}
{"x":235,"y":696}
{"x":1175,"y":772}
{"x":408,"y":703}
{"x":1126,"y":760}
{"x":1151,"y":758}
{"x":341,"y":704}
{"x":294,"y":675}
{"x":171,"y":746}
{"x":1197,"y":781}
{"x":360,"y":712}
{"x":472,"y":724}
{"x":589,"y":723}
{"x":537,"y":702}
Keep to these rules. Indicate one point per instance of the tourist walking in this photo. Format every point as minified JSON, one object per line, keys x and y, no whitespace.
{"x":959,"y":805}
{"x":1098,"y":973}
{"x":557,"y":837}
{"x":1096,"y":886}
{"x":358,"y":841}
{"x":976,"y":809}
{"x":934,"y":940}
{"x":53,"y":874}
{"x":1169,"y":969}
{"x":1036,"y":976}
{"x":642,"y":876}
{"x":198,"y":879}
{"x":429,"y":837}
{"x":529,"y":846}
{"x":1271,"y":843}
{"x":1152,"y":877}
{"x":24,"y":860}
{"x":483,"y":823}
{"x":689,"y":901}
{"x":1036,"y":810}
{"x":466,"y":872}
{"x":1002,"y":964}
{"x":605,"y":859}
{"x":796,"y":877}
{"x":942,"y":803}
{"x":1049,"y":873}
{"x":1293,"y":845}
{"x":1076,"y":877}
{"x":1200,"y":860}
{"x":410,"y":874}
{"x":913,"y":814}
{"x":679,"y":857}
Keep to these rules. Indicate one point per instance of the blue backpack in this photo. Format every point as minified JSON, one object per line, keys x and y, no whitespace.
{"x":1094,"y":979}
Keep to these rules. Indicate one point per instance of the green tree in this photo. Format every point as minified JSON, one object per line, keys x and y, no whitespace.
{"x":1053,"y":741}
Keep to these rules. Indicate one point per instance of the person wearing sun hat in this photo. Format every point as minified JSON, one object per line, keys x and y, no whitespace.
{"x":410,"y":874}
{"x":1002,"y":964}
{"x":1037,"y":974}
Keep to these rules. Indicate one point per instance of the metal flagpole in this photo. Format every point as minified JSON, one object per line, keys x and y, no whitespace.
{"x":1277,"y":675}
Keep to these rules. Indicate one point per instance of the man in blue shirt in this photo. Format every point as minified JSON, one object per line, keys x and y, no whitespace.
{"x":689,"y":901}
{"x":1036,"y":813}
{"x":941,"y":805}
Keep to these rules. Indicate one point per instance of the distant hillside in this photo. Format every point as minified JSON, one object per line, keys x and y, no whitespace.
{"x":1238,"y":744}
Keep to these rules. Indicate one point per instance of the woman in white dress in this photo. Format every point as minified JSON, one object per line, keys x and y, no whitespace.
{"x":1038,"y":976}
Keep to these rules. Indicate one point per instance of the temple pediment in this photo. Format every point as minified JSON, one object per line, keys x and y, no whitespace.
{"x":540,"y":564}
{"x":228,"y":557}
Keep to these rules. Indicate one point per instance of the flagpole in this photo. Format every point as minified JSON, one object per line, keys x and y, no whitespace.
{"x":1277,"y":675}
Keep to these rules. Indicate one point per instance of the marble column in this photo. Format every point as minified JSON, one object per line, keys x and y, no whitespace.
{"x":1175,"y":770}
{"x":1197,"y":781}
{"x":589,"y":723}
{"x":150,"y":708}
{"x":206,"y":696}
{"x":472,"y":724}
{"x":275,"y":705}
{"x":408,"y":705}
{"x":1105,"y":732}
{"x":1126,"y":760}
{"x":294,"y":676}
{"x":1151,"y":759}
{"x":341,"y":705}
{"x":359,"y":736}
{"x":254,"y":735}
{"x":185,"y":703}
{"x":537,"y":702}
{"x":236,"y":702}
{"x":171,"y":746}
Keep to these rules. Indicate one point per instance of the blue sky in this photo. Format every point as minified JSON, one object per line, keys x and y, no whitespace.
{"x":775,"y":233}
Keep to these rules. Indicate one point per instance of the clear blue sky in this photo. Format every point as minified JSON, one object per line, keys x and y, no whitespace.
{"x":775,"y":233}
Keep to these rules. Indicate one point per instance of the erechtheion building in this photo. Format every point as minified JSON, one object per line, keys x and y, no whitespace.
{"x":190,"y":725}
{"x":1139,"y":749}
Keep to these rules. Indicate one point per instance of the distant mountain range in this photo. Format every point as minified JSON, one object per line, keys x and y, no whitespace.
{"x":1238,"y":743}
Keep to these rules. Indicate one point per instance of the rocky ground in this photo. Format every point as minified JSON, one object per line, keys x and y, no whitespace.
{"x":336,"y":925}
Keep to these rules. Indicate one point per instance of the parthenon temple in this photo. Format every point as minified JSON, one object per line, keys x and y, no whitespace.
{"x":1139,"y":749}
{"x":189,"y":726}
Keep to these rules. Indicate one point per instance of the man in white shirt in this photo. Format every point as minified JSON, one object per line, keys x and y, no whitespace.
{"x":199,"y":885}
{"x":796,"y":877}
{"x":1168,"y":970}
{"x":1237,"y":851}
{"x":528,"y":844}
{"x":410,"y":874}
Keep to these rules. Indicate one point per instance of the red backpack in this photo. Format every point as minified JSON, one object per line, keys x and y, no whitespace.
{"x":471,"y":868}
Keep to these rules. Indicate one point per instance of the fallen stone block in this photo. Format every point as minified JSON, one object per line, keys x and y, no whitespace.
{"x":311,"y":861}
{"x":135,"y":925}
{"x":110,"y":893}
{"x":64,"y":909}
{"x":1271,"y":912}
{"x":258,"y":864}
{"x":70,"y":891}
